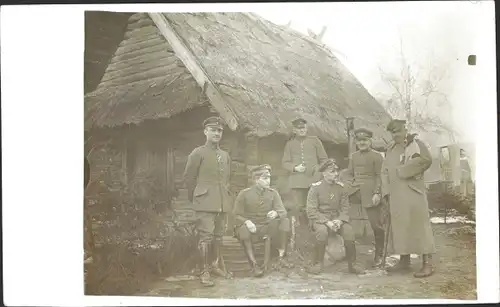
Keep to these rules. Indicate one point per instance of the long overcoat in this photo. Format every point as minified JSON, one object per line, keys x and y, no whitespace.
{"x":403,"y":180}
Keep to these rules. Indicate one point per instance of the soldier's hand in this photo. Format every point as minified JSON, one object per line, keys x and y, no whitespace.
{"x":251,"y":226}
{"x":300,"y":168}
{"x":272,"y":214}
{"x":330,"y":225}
{"x":337,"y":224}
{"x":376,"y":199}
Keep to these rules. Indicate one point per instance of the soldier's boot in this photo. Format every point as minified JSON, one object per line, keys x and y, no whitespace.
{"x":319,"y":259}
{"x":350,"y":251}
{"x":282,"y":251}
{"x":403,"y":265}
{"x":205,"y":278}
{"x":216,"y":257}
{"x":248,"y":248}
{"x":427,"y":267}
{"x":379,"y":249}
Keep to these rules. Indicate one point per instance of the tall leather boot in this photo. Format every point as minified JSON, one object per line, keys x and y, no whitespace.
{"x":403,"y":264}
{"x":216,"y":252}
{"x":319,"y":259}
{"x":283,"y":237}
{"x":379,"y":248}
{"x":350,"y":250}
{"x":205,"y":278}
{"x":427,"y":267}
{"x":248,"y":248}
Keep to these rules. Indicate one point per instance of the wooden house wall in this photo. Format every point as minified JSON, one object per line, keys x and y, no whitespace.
{"x":145,"y":149}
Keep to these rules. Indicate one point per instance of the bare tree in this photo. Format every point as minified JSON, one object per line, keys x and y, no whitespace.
{"x":417,"y":94}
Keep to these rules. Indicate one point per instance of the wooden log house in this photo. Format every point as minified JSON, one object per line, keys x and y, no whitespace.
{"x":170,"y":71}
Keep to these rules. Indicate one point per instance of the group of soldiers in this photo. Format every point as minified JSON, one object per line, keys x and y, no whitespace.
{"x":322,"y":196}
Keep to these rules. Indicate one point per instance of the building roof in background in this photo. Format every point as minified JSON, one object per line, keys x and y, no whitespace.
{"x":268,"y":75}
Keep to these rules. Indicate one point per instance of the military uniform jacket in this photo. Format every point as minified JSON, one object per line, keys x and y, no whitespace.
{"x":207,"y":176}
{"x":326,"y":202}
{"x":363,"y":175}
{"x":311,"y":153}
{"x":254,"y":203}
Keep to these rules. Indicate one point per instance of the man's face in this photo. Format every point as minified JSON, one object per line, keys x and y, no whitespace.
{"x":331,"y":174}
{"x":213,"y":134}
{"x":301,"y":130}
{"x":399,"y":134}
{"x":263,"y":181}
{"x":363,"y":143}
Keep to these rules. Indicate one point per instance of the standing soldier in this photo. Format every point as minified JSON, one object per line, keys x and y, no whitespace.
{"x":301,"y":158}
{"x":207,"y":176}
{"x":405,"y":162}
{"x":363,"y":182}
{"x":327,"y":210}
{"x":259,"y":211}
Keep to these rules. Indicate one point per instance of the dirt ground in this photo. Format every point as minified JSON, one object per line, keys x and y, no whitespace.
{"x":455,"y":278}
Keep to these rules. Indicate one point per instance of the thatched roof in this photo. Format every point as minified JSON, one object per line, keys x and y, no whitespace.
{"x":269,"y":74}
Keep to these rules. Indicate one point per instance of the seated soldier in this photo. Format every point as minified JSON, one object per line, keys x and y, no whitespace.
{"x":259,"y":213}
{"x":327,"y":209}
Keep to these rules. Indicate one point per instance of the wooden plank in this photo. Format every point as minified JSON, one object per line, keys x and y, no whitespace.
{"x":142,"y":77}
{"x":142,"y":33}
{"x":113,"y":72}
{"x":142,"y":47}
{"x":196,"y":69}
{"x":150,"y":34}
{"x":157,"y":56}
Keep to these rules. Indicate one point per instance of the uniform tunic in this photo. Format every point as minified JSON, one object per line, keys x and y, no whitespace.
{"x":254,"y":204}
{"x":363,"y":178}
{"x":363,"y":175}
{"x":327,"y":202}
{"x":403,"y":181}
{"x":207,"y":176}
{"x":308,"y":151}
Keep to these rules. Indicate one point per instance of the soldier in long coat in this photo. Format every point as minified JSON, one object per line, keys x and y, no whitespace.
{"x":207,"y":176}
{"x":364,"y":184}
{"x":259,"y":212}
{"x":328,"y":211}
{"x":301,"y":158}
{"x":406,"y":160}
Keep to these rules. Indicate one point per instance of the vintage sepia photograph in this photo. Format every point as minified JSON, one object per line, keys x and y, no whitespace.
{"x":257,"y":155}
{"x":242,"y":154}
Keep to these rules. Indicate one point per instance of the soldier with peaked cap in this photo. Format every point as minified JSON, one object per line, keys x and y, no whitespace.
{"x":301,"y":158}
{"x":327,"y":209}
{"x":405,"y":162}
{"x":206,"y":177}
{"x":259,"y":212}
{"x":363,"y":182}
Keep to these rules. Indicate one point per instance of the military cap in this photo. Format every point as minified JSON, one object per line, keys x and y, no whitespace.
{"x":213,"y":121}
{"x":328,"y":163}
{"x":396,"y":123}
{"x":299,"y":122}
{"x":363,"y":133}
{"x":259,"y":170}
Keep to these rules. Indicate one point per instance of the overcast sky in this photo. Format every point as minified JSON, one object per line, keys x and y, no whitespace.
{"x":366,"y":36}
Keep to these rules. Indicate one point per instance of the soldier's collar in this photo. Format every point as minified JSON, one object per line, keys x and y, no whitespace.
{"x":338,"y":182}
{"x":259,"y":189}
{"x":212,"y":145}
{"x":409,"y":139}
